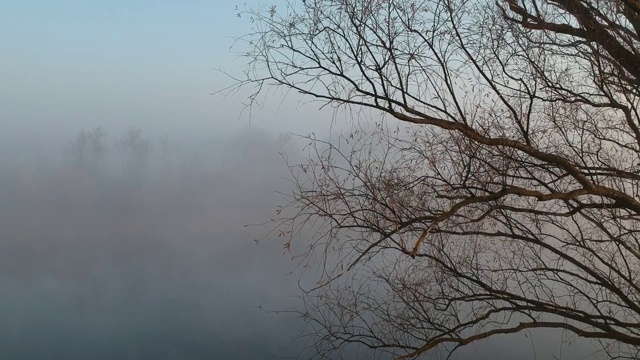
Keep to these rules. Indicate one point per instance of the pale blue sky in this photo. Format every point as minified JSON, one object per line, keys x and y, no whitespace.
{"x":66,"y":65}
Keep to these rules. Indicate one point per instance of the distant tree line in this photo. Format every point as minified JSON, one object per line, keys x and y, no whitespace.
{"x":90,"y":148}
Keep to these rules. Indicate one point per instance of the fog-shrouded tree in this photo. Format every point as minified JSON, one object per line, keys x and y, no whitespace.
{"x":504,"y":199}
{"x":135,"y":152}
{"x":88,"y":150}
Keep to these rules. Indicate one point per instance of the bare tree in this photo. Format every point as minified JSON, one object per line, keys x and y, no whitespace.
{"x":88,"y":150}
{"x":509,"y":199}
{"x":134,"y":150}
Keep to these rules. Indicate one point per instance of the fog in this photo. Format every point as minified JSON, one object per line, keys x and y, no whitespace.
{"x":129,"y":251}
{"x":125,"y":188}
{"x":122,"y":245}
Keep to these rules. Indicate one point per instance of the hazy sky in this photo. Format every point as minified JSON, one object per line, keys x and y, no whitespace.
{"x":122,"y":63}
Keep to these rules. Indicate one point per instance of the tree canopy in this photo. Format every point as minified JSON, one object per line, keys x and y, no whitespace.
{"x":506,"y":196}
